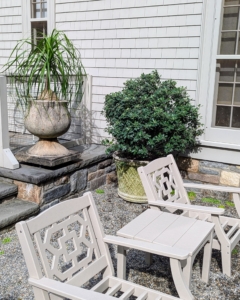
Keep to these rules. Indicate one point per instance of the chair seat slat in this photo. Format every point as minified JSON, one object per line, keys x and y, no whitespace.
{"x":114,"y":289}
{"x":127,"y":294}
{"x":143,"y":296}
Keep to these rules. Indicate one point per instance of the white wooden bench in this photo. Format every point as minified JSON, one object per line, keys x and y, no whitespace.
{"x":72,"y":249}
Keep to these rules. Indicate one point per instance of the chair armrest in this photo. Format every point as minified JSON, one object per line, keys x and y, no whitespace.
{"x":211,"y":187}
{"x":66,"y":290}
{"x":188,"y":207}
{"x":159,"y":249}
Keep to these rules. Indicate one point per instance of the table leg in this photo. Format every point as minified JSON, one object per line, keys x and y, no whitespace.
{"x":148,"y":258}
{"x":121,"y":262}
{"x":187,"y":270}
{"x":207,"y":255}
{"x":179,"y":280}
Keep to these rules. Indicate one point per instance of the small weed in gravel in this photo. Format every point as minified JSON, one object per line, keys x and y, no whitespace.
{"x":230,"y":204}
{"x":99,"y":191}
{"x":6,"y":240}
{"x":191,"y":195}
{"x":1,"y":252}
{"x":221,"y":206}
{"x":235,"y":251}
{"x":212,"y":201}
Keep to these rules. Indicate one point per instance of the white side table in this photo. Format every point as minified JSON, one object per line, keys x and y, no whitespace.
{"x":180,"y":232}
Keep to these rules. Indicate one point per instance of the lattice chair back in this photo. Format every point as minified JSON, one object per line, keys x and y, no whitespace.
{"x":69,"y":241}
{"x":162,"y":180}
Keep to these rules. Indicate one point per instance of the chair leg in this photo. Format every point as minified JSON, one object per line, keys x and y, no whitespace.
{"x":226,"y":260}
{"x":207,"y":255}
{"x":187,"y":270}
{"x":148,"y":259}
{"x":179,"y":280}
{"x":121,"y":262}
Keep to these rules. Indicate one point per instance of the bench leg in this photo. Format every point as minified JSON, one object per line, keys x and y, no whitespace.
{"x":148,"y":259}
{"x":179,"y":280}
{"x":207,"y":255}
{"x":121,"y":262}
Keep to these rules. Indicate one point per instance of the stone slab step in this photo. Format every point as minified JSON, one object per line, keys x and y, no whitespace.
{"x":7,"y":190}
{"x":12,"y":211}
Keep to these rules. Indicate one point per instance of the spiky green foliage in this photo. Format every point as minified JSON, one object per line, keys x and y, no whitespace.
{"x":151,"y":118}
{"x":52,"y":65}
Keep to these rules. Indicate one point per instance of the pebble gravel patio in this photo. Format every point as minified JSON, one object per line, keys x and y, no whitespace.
{"x":115,"y":213}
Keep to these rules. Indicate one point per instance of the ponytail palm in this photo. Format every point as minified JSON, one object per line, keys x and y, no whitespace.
{"x":50,"y":70}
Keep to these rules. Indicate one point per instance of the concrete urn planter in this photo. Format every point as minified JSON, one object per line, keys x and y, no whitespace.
{"x":47,"y":120}
{"x":129,"y":183}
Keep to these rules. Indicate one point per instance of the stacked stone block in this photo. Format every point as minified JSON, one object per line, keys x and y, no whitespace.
{"x":68,"y":186}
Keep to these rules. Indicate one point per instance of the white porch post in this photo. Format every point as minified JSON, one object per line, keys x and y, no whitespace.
{"x":7,"y":159}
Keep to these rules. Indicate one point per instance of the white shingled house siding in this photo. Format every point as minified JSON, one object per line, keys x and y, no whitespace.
{"x":121,"y":39}
{"x":10,"y":33}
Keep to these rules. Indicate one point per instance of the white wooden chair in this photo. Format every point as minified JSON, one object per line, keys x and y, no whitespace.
{"x":72,"y":249}
{"x":165,"y":190}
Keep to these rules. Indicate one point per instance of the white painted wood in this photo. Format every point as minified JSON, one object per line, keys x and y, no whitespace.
{"x":67,"y":291}
{"x":163,"y":250}
{"x":152,"y":180}
{"x":59,"y":220}
{"x":121,"y":262}
{"x":236,"y":200}
{"x":228,"y":189}
{"x":179,"y":280}
{"x":195,"y":208}
{"x":7,"y":159}
{"x":143,"y":220}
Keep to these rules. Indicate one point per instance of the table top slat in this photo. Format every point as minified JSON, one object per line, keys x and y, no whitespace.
{"x":156,"y":228}
{"x":175,"y":231}
{"x":193,"y":238}
{"x":139,"y":223}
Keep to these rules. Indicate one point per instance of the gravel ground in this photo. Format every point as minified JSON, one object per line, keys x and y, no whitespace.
{"x":115,"y":213}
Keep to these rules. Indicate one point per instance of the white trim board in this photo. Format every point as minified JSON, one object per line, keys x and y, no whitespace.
{"x":228,"y":156}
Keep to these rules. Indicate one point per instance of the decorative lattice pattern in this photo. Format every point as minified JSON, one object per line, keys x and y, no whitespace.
{"x":164,"y":184}
{"x":67,"y":247}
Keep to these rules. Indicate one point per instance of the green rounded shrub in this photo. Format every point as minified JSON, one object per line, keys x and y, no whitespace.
{"x":150,"y":118}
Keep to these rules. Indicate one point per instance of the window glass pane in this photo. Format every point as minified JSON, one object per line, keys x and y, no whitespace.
{"x":228,"y":43}
{"x":232,"y":2}
{"x":225,"y":92}
{"x":237,"y":95}
{"x":230,"y":18}
{"x":39,"y":9}
{"x":223,"y":116}
{"x":38,"y":30}
{"x":227,"y":70}
{"x":236,"y":117}
{"x":44,"y":9}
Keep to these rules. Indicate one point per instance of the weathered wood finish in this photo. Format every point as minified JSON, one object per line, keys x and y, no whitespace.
{"x":77,"y":221}
{"x":164,"y":188}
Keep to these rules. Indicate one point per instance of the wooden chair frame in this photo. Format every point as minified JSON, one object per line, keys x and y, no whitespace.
{"x":35,"y":236}
{"x":165,"y":190}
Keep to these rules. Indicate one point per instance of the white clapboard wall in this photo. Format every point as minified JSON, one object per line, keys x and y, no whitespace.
{"x":120,"y":39}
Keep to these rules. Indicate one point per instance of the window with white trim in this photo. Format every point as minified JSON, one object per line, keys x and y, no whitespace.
{"x":38,"y":18}
{"x":227,"y":95}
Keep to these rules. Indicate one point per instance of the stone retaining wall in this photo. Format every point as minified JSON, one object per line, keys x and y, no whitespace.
{"x":209,"y":172}
{"x":68,"y":186}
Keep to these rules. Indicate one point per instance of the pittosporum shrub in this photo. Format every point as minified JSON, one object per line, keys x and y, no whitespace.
{"x":151,"y":118}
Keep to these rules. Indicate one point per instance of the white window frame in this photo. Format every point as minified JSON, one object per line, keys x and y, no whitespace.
{"x":26,"y":15}
{"x":221,"y":137}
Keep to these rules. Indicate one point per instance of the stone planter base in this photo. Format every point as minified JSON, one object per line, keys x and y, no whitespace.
{"x":129,"y":183}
